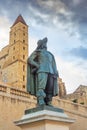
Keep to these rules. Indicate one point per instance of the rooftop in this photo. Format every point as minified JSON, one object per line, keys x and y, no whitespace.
{"x":19,"y":19}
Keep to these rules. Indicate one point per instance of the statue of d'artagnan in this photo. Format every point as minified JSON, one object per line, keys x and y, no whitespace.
{"x":42,"y":74}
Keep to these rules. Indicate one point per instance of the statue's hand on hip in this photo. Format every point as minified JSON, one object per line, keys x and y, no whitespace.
{"x":34,"y":70}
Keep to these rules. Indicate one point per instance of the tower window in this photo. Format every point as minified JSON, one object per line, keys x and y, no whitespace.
{"x":23,"y":48}
{"x":13,"y":57}
{"x":23,"y":86}
{"x":23,"y":27}
{"x":23,"y":67}
{"x":14,"y":41}
{"x":13,"y":48}
{"x":23,"y":78}
{"x":24,"y":34}
{"x":23,"y":56}
{"x":14,"y":34}
{"x":23,"y":41}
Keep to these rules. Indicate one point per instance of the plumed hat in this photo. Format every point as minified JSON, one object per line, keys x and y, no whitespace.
{"x":42,"y":43}
{"x":45,"y":40}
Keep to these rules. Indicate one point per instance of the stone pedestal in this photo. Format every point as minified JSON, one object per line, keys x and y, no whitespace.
{"x":44,"y":118}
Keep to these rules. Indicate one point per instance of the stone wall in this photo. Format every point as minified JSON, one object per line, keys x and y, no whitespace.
{"x":78,"y":96}
{"x":13,"y":102}
{"x":74,"y":110}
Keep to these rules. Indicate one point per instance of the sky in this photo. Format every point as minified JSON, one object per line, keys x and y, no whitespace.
{"x":63,"y":22}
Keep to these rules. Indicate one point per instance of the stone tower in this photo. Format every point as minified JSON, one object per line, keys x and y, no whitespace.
{"x":62,"y":88}
{"x":13,"y":57}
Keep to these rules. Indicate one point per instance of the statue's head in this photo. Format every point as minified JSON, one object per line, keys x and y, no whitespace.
{"x":42,"y":43}
{"x":45,"y":40}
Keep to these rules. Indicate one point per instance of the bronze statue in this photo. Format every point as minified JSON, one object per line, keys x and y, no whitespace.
{"x":42,"y":74}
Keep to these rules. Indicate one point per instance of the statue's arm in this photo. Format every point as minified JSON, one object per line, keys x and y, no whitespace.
{"x":32,"y":61}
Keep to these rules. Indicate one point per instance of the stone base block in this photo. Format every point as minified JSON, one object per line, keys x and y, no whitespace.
{"x":44,"y":118}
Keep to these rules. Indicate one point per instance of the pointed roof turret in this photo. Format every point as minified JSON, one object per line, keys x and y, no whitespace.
{"x":19,"y":19}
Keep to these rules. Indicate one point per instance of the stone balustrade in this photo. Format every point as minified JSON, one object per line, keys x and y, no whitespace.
{"x":3,"y":88}
{"x":13,"y":91}
{"x":70,"y":106}
{"x":67,"y":105}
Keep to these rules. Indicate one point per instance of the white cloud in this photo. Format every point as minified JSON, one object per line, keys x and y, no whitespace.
{"x":73,"y":75}
{"x":32,"y":44}
{"x":76,"y":2}
{"x":4,"y":31}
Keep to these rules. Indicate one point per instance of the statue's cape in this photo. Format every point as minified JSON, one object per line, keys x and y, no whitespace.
{"x":32,"y":79}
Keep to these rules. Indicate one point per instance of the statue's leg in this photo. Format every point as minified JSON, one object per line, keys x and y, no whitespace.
{"x":49,"y":90}
{"x":41,"y":84}
{"x":48,"y":99}
{"x":40,"y":97}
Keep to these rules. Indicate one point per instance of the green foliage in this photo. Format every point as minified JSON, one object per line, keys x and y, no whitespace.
{"x":82,"y":103}
{"x":75,"y":101}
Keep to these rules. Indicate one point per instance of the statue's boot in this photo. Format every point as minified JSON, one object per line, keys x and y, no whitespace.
{"x":40,"y":97}
{"x":40,"y":100}
{"x":48,"y":99}
{"x":49,"y":103}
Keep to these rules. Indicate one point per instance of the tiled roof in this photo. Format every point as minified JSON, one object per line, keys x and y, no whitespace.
{"x":19,"y":19}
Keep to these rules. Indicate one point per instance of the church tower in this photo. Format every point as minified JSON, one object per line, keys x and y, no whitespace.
{"x":14,"y":68}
